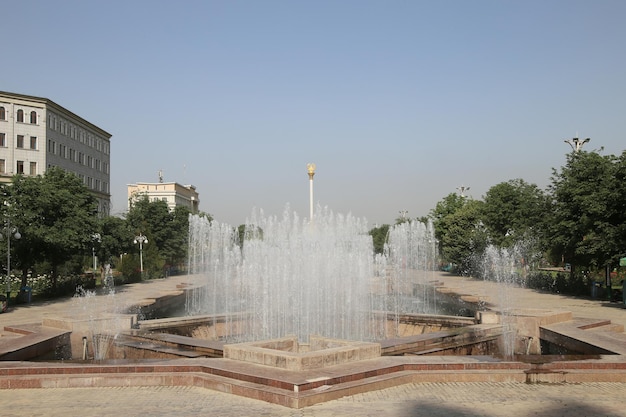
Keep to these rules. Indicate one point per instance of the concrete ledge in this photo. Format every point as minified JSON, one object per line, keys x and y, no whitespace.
{"x":287,"y":353}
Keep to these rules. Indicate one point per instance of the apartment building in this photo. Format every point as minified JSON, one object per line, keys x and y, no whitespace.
{"x":37,"y":134}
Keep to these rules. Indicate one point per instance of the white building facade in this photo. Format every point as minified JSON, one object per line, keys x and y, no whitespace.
{"x":173,"y":193}
{"x":37,"y":134}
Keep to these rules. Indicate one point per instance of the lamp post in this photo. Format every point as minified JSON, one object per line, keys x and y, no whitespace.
{"x":576,"y":143}
{"x":95,"y":238}
{"x":311,"y":169}
{"x":16,"y":234}
{"x":462,"y":190}
{"x":141,"y":239}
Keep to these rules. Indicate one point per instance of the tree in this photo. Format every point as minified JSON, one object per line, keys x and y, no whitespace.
{"x":588,"y":209}
{"x":379,"y":237}
{"x":175,"y":248}
{"x":117,"y":238}
{"x":167,"y":232}
{"x":464,"y":237}
{"x":442,"y":217}
{"x":56,"y":215}
{"x":513,"y":211}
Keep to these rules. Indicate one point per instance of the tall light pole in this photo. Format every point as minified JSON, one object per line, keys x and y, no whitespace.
{"x":311,"y":169}
{"x":462,"y":190}
{"x":9,"y":232}
{"x":141,"y":239}
{"x":95,"y":238}
{"x":576,"y":143}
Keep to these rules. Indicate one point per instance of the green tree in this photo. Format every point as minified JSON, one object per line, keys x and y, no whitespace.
{"x":465,"y":236}
{"x":379,"y":237}
{"x":56,"y":216}
{"x":117,"y":239}
{"x":167,"y":233}
{"x":513,"y":211}
{"x":443,"y":220}
{"x":587,"y":226}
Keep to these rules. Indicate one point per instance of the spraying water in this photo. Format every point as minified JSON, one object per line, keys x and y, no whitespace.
{"x":293,"y":276}
{"x":507,"y":267}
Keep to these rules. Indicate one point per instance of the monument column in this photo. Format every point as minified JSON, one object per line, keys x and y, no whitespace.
{"x":311,"y":168}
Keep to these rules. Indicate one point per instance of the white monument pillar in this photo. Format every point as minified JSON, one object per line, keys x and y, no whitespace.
{"x":311,"y":168}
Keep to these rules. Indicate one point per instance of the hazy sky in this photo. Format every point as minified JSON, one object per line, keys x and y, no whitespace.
{"x":397,"y":102}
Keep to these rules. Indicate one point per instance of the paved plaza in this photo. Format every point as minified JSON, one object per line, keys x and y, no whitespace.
{"x":429,"y":399}
{"x":416,"y":399}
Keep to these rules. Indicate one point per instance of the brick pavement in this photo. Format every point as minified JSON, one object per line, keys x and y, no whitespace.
{"x":426,"y":399}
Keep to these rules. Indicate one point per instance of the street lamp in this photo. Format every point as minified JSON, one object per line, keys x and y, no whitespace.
{"x":141,"y":239}
{"x":16,"y":234}
{"x":95,"y":238}
{"x":462,"y":190}
{"x":576,"y":143}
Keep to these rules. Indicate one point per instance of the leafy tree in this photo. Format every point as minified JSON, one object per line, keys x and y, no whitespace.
{"x":464,"y":236}
{"x":167,"y":232}
{"x":56,"y":216}
{"x":175,"y":248}
{"x":379,"y":237}
{"x":117,"y":239}
{"x":588,"y":209}
{"x":402,"y":218}
{"x":513,"y":210}
{"x":442,"y":219}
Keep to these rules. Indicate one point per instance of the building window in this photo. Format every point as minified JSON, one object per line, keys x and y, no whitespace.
{"x":52,"y":146}
{"x":33,"y":168}
{"x":20,"y":115}
{"x":20,"y":141}
{"x":33,"y":142}
{"x":33,"y":117}
{"x":3,"y":113}
{"x":2,"y":167}
{"x":20,"y":167}
{"x":3,"y":140}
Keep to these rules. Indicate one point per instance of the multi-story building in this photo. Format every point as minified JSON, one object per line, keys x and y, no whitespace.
{"x":37,"y":134}
{"x":173,"y":193}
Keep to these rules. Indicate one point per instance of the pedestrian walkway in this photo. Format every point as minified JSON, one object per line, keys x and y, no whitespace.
{"x":415,"y":399}
{"x":428,"y":399}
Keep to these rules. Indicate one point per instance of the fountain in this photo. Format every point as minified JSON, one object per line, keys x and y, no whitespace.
{"x":508,"y":267}
{"x":296,"y":277}
{"x":300,"y":311}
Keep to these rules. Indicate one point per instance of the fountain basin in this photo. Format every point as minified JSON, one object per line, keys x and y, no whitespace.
{"x":288,"y":353}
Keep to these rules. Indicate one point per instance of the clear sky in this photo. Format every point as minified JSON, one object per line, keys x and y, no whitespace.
{"x":397,"y":102}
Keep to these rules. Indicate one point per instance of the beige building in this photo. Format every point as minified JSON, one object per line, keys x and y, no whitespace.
{"x":171,"y":192}
{"x":37,"y":134}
